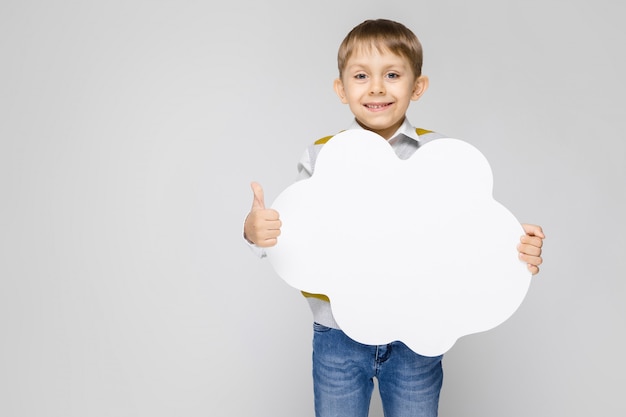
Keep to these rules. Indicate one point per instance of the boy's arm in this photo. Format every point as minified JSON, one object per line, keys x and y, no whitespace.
{"x":260,"y":229}
{"x":262,"y":226}
{"x":530,"y":247}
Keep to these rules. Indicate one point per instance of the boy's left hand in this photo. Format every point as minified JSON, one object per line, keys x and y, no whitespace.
{"x":530,"y":247}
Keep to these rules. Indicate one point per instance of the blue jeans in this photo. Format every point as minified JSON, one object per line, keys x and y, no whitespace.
{"x":344,"y":372}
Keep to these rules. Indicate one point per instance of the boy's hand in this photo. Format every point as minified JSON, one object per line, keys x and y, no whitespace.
{"x":262,"y":226}
{"x":530,"y":247}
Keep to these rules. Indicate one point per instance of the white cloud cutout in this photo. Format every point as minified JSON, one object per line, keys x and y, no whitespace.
{"x":414,"y":250}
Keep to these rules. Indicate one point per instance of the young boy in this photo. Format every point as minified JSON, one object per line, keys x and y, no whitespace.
{"x":379,"y":75}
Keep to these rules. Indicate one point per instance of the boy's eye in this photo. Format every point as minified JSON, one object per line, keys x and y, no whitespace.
{"x":360,"y":76}
{"x":393,"y":75}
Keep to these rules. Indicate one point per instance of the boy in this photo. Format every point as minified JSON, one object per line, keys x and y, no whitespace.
{"x":379,"y":75}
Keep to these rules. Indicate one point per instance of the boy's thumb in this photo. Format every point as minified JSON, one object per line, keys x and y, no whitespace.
{"x":258,"y":203}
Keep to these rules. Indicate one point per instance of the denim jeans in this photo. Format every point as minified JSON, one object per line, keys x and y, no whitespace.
{"x":344,"y":372}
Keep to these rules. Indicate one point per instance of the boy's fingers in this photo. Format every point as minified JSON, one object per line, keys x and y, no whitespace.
{"x":529,"y":249}
{"x":530,"y":258}
{"x":533,"y":230}
{"x":534,"y":269}
{"x":267,"y":243}
{"x":532,"y":241}
{"x":269,"y":220}
{"x":269,"y":234}
{"x":258,"y":203}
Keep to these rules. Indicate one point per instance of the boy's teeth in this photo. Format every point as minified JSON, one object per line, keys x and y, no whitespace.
{"x":375,"y":106}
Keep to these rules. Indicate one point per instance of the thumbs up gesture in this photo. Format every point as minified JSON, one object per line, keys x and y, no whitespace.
{"x":262,"y":226}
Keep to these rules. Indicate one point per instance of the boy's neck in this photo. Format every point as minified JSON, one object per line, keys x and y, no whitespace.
{"x":386,"y":133}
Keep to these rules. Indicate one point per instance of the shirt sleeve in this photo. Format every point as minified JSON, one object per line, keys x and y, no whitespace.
{"x":305,"y":165}
{"x":257,"y":250}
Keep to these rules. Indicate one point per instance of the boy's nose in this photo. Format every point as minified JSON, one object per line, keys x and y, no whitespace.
{"x":377,"y":87}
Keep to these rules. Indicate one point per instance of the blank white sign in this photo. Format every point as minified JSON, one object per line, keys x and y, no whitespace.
{"x":414,"y":250}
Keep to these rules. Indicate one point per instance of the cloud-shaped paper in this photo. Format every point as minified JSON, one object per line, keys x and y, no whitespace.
{"x":415,"y":250}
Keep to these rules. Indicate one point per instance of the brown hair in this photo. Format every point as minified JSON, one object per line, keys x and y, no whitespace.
{"x":382,"y":34}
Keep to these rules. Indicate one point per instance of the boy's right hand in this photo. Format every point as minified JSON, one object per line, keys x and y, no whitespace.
{"x":262,"y":226}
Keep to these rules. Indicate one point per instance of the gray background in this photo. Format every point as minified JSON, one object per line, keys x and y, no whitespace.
{"x":130,"y":131}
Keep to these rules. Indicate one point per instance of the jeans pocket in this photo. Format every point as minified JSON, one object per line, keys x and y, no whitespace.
{"x":320,"y":327}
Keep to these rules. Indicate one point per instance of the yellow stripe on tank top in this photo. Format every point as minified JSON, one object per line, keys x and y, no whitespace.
{"x":318,"y":296}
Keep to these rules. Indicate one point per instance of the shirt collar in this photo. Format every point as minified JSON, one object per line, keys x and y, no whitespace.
{"x":405,"y":129}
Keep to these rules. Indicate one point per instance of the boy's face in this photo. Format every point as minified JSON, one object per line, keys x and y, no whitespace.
{"x":378,"y":86}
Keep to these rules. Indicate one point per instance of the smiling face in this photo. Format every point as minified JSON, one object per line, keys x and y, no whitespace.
{"x":379,"y":85}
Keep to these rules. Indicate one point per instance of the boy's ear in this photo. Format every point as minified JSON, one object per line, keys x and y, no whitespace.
{"x":338,"y":86}
{"x":421,"y":85}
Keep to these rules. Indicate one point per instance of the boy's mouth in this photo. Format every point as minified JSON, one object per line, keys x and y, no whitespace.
{"x":377,"y":106}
